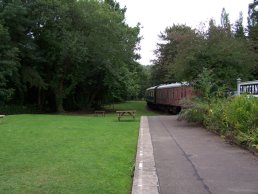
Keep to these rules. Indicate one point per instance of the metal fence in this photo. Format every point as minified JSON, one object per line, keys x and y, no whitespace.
{"x":250,"y":87}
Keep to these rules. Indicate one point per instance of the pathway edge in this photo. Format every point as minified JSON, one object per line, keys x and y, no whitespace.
{"x":145,"y":179}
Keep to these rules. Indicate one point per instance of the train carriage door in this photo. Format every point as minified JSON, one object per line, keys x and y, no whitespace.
{"x":170,"y":95}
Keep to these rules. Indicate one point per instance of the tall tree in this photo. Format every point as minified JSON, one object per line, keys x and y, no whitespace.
{"x":175,"y":40}
{"x":63,"y":46}
{"x":253,"y":21}
{"x":225,"y":22}
{"x":239,"y":28}
{"x":9,"y":64}
{"x":16,"y":19}
{"x":253,"y":30}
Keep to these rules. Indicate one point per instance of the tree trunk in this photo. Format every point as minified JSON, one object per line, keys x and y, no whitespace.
{"x":59,"y":98}
{"x":39,"y":99}
{"x":59,"y":103}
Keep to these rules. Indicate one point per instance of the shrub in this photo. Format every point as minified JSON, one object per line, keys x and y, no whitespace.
{"x":195,"y":111}
{"x":18,"y":109}
{"x":216,"y":118}
{"x":242,"y":117}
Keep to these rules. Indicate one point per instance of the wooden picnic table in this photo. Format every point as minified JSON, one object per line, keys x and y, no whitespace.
{"x":99,"y":112}
{"x":122,"y":113}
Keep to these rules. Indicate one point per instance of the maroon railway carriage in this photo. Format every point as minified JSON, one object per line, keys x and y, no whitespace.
{"x":167,"y":97}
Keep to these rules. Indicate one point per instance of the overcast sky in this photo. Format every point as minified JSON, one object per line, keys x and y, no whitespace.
{"x":156,"y":15}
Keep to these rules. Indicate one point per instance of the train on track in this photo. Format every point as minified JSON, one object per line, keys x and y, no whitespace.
{"x":167,"y":97}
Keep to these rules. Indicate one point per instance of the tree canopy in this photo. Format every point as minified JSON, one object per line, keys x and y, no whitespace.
{"x":71,"y":54}
{"x":79,"y":54}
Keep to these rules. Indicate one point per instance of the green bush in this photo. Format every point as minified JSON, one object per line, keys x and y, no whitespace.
{"x":235,"y":117}
{"x":215,"y":117}
{"x":195,"y":111}
{"x":242,"y":113}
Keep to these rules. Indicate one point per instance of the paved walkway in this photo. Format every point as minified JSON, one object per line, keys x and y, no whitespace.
{"x":183,"y":159}
{"x":191,"y":160}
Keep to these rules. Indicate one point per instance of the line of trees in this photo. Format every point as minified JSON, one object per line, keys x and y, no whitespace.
{"x":229,"y":51}
{"x":67,"y":54}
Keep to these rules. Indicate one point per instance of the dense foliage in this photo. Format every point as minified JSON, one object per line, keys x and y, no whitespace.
{"x":67,"y":54}
{"x":236,"y":118}
{"x":228,"y":50}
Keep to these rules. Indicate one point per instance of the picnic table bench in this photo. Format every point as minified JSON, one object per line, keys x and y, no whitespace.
{"x":99,"y":112}
{"x":2,"y":116}
{"x":122,"y":113}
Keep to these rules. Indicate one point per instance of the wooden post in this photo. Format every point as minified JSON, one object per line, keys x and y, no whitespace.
{"x":238,"y":86}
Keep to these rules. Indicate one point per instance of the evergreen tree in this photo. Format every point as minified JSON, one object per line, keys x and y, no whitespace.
{"x":253,"y":30}
{"x":253,"y":21}
{"x":239,"y":28}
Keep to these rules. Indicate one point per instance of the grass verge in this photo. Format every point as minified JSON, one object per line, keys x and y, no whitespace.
{"x":68,"y":154}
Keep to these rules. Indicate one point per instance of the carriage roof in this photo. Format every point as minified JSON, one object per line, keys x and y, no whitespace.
{"x":172,"y":85}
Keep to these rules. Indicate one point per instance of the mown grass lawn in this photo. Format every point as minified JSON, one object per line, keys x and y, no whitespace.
{"x":68,"y":154}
